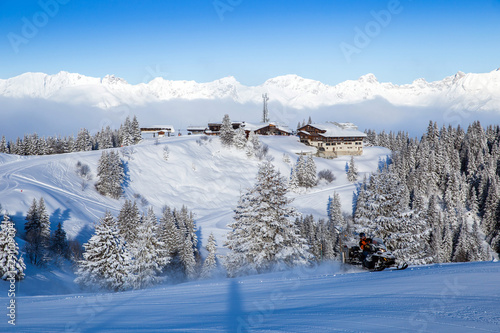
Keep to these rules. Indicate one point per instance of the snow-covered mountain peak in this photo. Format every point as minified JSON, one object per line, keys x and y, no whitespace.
{"x":368,"y":78}
{"x":112,"y":79}
{"x":455,"y":91}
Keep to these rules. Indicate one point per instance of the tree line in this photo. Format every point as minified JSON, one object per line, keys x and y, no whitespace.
{"x":128,"y":134}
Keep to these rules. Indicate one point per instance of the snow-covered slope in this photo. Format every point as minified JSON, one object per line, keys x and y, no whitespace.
{"x":200,"y":174}
{"x":461,"y":91}
{"x":437,"y":298}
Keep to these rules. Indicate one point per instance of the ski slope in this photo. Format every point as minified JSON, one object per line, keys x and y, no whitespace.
{"x":436,"y":298}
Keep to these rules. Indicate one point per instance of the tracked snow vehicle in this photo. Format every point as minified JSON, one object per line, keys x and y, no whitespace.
{"x":377,"y":256}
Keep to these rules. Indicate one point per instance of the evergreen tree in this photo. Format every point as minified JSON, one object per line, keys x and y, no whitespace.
{"x":128,"y":221}
{"x":187,"y":259}
{"x":37,"y":228}
{"x":240,"y":139}
{"x":294,"y":183}
{"x":169,"y":234}
{"x":11,"y":263}
{"x":126,"y":133}
{"x":226,"y":131}
{"x":3,"y":146}
{"x":135,"y":131}
{"x":462,"y":252}
{"x":352,"y":173}
{"x":44,"y":223}
{"x":106,"y":260}
{"x":309,"y":177}
{"x":83,"y":141}
{"x":210,"y":263}
{"x":111,"y":174}
{"x":336,"y":221}
{"x":59,"y":242}
{"x":262,"y":236}
{"x":148,"y":253}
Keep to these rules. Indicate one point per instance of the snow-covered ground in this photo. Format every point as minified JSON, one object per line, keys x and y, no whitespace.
{"x":208,"y":180}
{"x":435,"y":298}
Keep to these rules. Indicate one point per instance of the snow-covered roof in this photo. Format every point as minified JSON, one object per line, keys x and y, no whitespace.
{"x":339,"y":131}
{"x":196,"y":128}
{"x":256,"y":127}
{"x":156,"y":128}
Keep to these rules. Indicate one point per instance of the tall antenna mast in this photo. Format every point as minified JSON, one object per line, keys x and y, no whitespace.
{"x":265,"y":113}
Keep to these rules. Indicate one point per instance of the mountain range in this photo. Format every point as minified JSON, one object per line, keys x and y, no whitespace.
{"x":476,"y":92}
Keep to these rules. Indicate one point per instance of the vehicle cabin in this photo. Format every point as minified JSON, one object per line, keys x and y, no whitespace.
{"x":158,"y":130}
{"x":333,"y":139}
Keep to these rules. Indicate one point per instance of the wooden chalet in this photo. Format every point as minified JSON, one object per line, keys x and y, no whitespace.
{"x":214,"y":128}
{"x":273,"y":129}
{"x":267,"y":129}
{"x":196,"y":130}
{"x":333,"y":139}
{"x":158,"y":130}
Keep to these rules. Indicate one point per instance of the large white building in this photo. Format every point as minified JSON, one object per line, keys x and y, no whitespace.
{"x":333,"y":139}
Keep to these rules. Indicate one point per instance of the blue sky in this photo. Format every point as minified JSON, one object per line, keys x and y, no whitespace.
{"x":204,"y":40}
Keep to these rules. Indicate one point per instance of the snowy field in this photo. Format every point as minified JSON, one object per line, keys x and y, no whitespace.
{"x":436,"y":298}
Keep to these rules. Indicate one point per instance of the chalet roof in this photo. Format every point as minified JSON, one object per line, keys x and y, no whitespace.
{"x":256,"y":127}
{"x":338,"y":130}
{"x":196,"y":128}
{"x":156,"y":128}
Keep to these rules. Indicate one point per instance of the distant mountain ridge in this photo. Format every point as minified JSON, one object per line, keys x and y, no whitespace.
{"x":478,"y":92}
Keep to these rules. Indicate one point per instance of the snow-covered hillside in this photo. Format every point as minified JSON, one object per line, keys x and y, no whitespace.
{"x":200,"y":174}
{"x":436,"y":298}
{"x":460,"y":91}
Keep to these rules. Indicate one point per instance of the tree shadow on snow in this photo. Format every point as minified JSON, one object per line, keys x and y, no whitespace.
{"x":235,"y":315}
{"x":126,"y":175}
{"x":58,"y":216}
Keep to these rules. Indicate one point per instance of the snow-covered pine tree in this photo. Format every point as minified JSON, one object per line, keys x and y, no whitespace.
{"x":226,"y":131}
{"x":44,"y":223}
{"x":11,"y":263}
{"x":336,"y":223}
{"x":363,"y":211}
{"x":462,"y":251}
{"x":447,"y":245}
{"x":128,"y":221}
{"x":294,"y":183}
{"x":59,"y":243}
{"x":169,"y":233}
{"x":135,"y":131}
{"x":300,"y":170}
{"x":263,"y":236}
{"x":210,"y":263}
{"x":240,"y":138}
{"x":3,"y":146}
{"x":126,"y":133}
{"x":149,"y":253}
{"x":187,"y":259}
{"x":37,"y":228}
{"x":240,"y":236}
{"x":83,"y":141}
{"x":111,"y":174}
{"x":352,"y":173}
{"x":309,"y":176}
{"x":106,"y":261}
